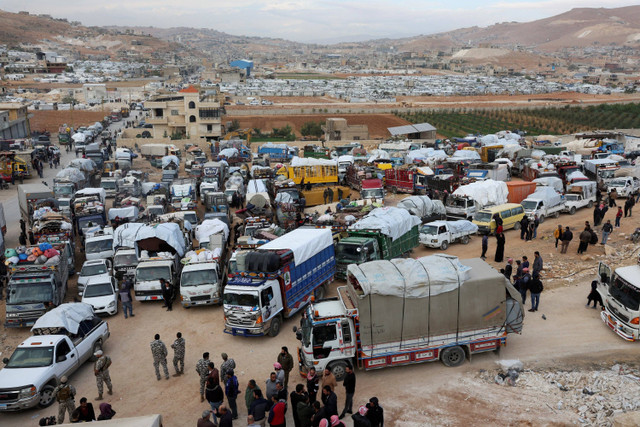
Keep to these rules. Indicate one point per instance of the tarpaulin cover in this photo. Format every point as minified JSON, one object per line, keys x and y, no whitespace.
{"x":550,"y":196}
{"x":284,"y":197}
{"x":378,"y":155}
{"x":228,"y":152}
{"x":258,"y":168}
{"x":86,"y":165}
{"x":86,"y":192}
{"x":396,"y":146}
{"x":67,"y":316}
{"x":209,"y":227}
{"x":576,"y":176}
{"x":466,"y":155}
{"x":272,"y":145}
{"x":550,"y":181}
{"x":346,"y":159}
{"x":181,"y":190}
{"x":510,"y":150}
{"x":256,"y":186}
{"x":460,"y":226}
{"x":424,"y":170}
{"x":391,"y":221}
{"x":168,"y":232}
{"x":235,"y":181}
{"x":486,"y":193}
{"x":304,"y":243}
{"x":425,"y":153}
{"x":128,"y":212}
{"x":310,"y":161}
{"x":166,"y":160}
{"x":410,"y":278}
{"x":125,"y":235}
{"x":421,"y":206}
{"x":72,"y":174}
{"x":79,"y":137}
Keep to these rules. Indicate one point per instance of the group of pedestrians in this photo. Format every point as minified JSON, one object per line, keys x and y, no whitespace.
{"x":529,"y":227}
{"x":526,"y":278}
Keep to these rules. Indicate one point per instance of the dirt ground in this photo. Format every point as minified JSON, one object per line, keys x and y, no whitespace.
{"x":51,"y":120}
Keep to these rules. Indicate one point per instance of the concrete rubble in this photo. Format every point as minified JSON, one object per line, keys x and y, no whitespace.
{"x":597,"y":397}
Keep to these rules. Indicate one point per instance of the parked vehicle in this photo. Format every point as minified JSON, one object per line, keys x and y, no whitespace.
{"x":620,"y":291}
{"x":63,"y":339}
{"x":440,"y":234}
{"x":519,"y":190}
{"x":625,"y":186}
{"x":90,"y":269}
{"x":511,"y":214}
{"x":385,"y":233}
{"x":379,"y":318}
{"x":277,"y":152}
{"x":406,"y":181}
{"x":88,"y":208}
{"x":125,"y":261}
{"x":28,"y":196}
{"x":601,"y":170}
{"x":98,"y":244}
{"x":372,"y":191}
{"x":101,"y":292}
{"x":468,"y":199}
{"x":33,"y":288}
{"x":544,"y":202}
{"x":424,"y":208}
{"x":579,"y":195}
{"x":278,"y":280}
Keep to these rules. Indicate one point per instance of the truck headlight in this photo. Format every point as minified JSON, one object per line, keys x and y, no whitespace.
{"x":112,"y":304}
{"x":12,"y":314}
{"x":27,"y":392}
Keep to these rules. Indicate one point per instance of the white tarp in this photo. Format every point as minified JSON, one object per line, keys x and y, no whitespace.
{"x":304,"y":243}
{"x":272,"y":145}
{"x":576,"y":176}
{"x":125,"y":235}
{"x":466,"y":155}
{"x":424,"y":154}
{"x":130,"y":212}
{"x":228,"y":153}
{"x":425,"y":170}
{"x":284,"y":197}
{"x":168,"y":232}
{"x":550,"y":181}
{"x":346,"y":159}
{"x":79,"y":137}
{"x":396,"y":146}
{"x":391,"y":221}
{"x":72,"y":174}
{"x":209,"y":227}
{"x":166,"y":160}
{"x":510,"y":151}
{"x":550,"y":196}
{"x":410,"y":278}
{"x":460,"y":226}
{"x":86,"y":165}
{"x":67,"y":316}
{"x":256,"y":186}
{"x":86,"y":192}
{"x":235,"y":181}
{"x":375,"y":155}
{"x":421,"y":206}
{"x":486,"y":193}
{"x":587,"y":188}
{"x":309,"y":161}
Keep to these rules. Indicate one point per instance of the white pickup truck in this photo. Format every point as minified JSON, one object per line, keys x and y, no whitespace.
{"x":624,"y":186}
{"x":440,"y":234}
{"x":579,"y":195}
{"x":63,"y":339}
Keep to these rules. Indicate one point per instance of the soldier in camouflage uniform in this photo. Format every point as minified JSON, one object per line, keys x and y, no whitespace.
{"x":227,"y":365}
{"x":159,"y":352}
{"x":202,"y":368}
{"x":64,"y":394}
{"x":101,"y":370}
{"x":178,"y":347}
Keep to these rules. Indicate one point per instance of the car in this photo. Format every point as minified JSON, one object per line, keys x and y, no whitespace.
{"x":90,"y":269}
{"x":101,"y":292}
{"x":254,"y":102}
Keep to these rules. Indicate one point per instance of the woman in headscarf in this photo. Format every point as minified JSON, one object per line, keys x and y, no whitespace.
{"x":499,"y":247}
{"x":106,"y":413}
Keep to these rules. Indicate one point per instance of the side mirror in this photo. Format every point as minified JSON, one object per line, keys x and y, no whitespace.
{"x":295,"y":329}
{"x":5,"y":360}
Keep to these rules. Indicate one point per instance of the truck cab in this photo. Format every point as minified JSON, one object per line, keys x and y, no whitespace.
{"x":110,"y":185}
{"x":355,"y":250}
{"x":461,"y":207}
{"x":252,"y":306}
{"x":372,"y":190}
{"x":625,"y":186}
{"x":99,"y":244}
{"x":201,"y":283}
{"x":620,"y":291}
{"x":125,"y":261}
{"x":149,"y":271}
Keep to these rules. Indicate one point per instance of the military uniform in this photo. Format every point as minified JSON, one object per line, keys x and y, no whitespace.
{"x":178,"y":347}
{"x":64,"y":394}
{"x":202,"y":368}
{"x":286,"y":361}
{"x":226,"y":366}
{"x":101,"y":369}
{"x":159,"y":352}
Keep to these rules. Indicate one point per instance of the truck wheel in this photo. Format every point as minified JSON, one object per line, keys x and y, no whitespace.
{"x":46,"y":396}
{"x":276,"y":323}
{"x":541,"y":219}
{"x":338,"y":369}
{"x":96,"y":346}
{"x":516,"y":226}
{"x":320,"y":292}
{"x":556,"y":215}
{"x":394,"y":190}
{"x":465,"y":240}
{"x":590,"y":204}
{"x":572,"y":211}
{"x":453,"y":356}
{"x":444,"y":245}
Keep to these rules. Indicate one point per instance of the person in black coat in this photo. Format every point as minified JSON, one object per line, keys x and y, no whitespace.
{"x":330,"y":400}
{"x":375,"y":413}
{"x":508,"y":269}
{"x":499,"y":247}
{"x":297,"y":396}
{"x":167,"y":294}
{"x":594,"y":295}
{"x":349,"y":384}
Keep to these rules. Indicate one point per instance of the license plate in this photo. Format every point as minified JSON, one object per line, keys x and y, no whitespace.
{"x":237,"y":331}
{"x":3,"y":406}
{"x":200,"y":302}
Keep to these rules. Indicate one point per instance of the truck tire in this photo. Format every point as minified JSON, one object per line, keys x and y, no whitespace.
{"x":465,"y":240}
{"x":46,"y":396}
{"x":453,"y":356}
{"x":276,"y":323}
{"x":572,"y":211}
{"x":541,"y":219}
{"x":516,"y":225}
{"x":590,"y":204}
{"x":96,"y":346}
{"x":338,"y":369}
{"x":320,"y":292}
{"x":556,"y":215}
{"x":444,"y":245}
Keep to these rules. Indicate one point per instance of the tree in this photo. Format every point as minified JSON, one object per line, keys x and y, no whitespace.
{"x":69,"y":100}
{"x":311,"y":129}
{"x":235,"y":125}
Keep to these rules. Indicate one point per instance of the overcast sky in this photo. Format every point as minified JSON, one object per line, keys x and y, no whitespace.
{"x":307,"y":20}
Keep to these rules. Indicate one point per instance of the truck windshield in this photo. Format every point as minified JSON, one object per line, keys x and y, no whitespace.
{"x":456,"y":202}
{"x":99,"y":246}
{"x":201,"y":277}
{"x":31,"y":357}
{"x":623,"y":292}
{"x":63,"y":190}
{"x":431,"y":230}
{"x":617,"y":183}
{"x":24,"y":293}
{"x":571,"y":197}
{"x":247,"y":300}
{"x":482,"y":217}
{"x":93,"y":220}
{"x":372,"y":193}
{"x":108,"y":185}
{"x":606,"y":174}
{"x":98,"y":290}
{"x":125,"y":260}
{"x":529,"y":205}
{"x":93,"y":270}
{"x":144,"y":274}
{"x":349,"y":252}
{"x":192,"y":218}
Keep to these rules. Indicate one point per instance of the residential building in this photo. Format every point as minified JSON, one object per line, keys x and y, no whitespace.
{"x":14,"y":120}
{"x":337,"y":129}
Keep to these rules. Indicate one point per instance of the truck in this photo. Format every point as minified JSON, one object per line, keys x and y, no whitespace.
{"x":28,"y":197}
{"x":440,"y":234}
{"x":483,"y":171}
{"x":277,"y":152}
{"x":98,"y":243}
{"x":468,"y":199}
{"x":34,"y":288}
{"x":88,"y":208}
{"x":183,"y":194}
{"x":579,"y":195}
{"x":620,"y":292}
{"x":67,"y":182}
{"x":278,"y":280}
{"x":372,"y":191}
{"x":601,"y":170}
{"x":408,"y":311}
{"x":424,"y":208}
{"x":63,"y":340}
{"x":384,"y":233}
{"x":405,"y":181}
{"x":149,"y":151}
{"x":94,"y":152}
{"x":544,"y":202}
{"x":625,"y":186}
{"x":519,"y":190}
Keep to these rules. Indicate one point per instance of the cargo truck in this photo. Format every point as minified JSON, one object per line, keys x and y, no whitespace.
{"x":408,"y":311}
{"x":579,"y":195}
{"x":28,"y":197}
{"x":277,"y":281}
{"x":544,"y":202}
{"x":440,"y":234}
{"x":620,"y":291}
{"x":383,"y":234}
{"x":601,"y":171}
{"x":35,"y":288}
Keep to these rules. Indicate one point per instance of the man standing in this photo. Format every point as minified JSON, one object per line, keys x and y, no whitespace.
{"x":567,"y":236}
{"x":227,"y":365}
{"x":205,"y":421}
{"x":202,"y":368}
{"x":125,"y":297}
{"x":296,"y":397}
{"x":64,"y":394}
{"x":167,"y":293}
{"x":271,"y":389}
{"x":178,"y":347}
{"x":585,"y":238}
{"x":349,"y":384}
{"x":537,"y":263}
{"x":618,"y":216}
{"x":249,"y":396}
{"x":535,"y":287}
{"x":375,"y":413}
{"x":557,"y":234}
{"x":485,"y":245}
{"x":159,"y":353}
{"x":286,"y":361}
{"x":524,"y":226}
{"x":628,"y":205}
{"x":231,"y":390}
{"x":276,"y":414}
{"x":328,"y":379}
{"x":330,"y":401}
{"x":508,"y":269}
{"x":259,"y":408}
{"x":524,"y":284}
{"x":101,"y":371}
{"x":312,"y":384}
{"x":606,"y":231}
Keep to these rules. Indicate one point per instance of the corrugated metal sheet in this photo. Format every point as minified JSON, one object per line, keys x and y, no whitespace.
{"x":406,"y":129}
